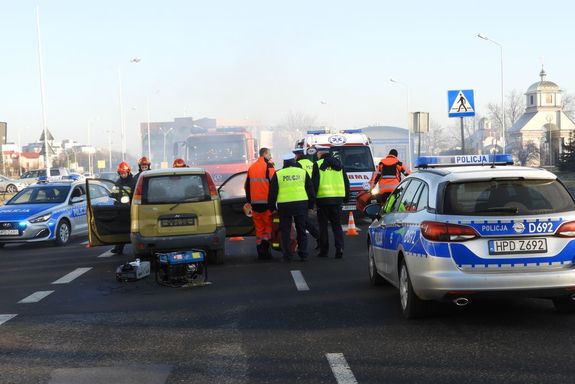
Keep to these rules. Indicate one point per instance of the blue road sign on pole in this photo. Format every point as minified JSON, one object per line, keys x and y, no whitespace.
{"x":460,"y":103}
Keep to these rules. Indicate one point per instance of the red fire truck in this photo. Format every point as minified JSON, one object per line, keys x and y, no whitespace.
{"x":222,"y":152}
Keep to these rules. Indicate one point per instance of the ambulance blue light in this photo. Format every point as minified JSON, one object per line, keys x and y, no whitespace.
{"x":354,"y":130}
{"x":463,"y":160}
{"x":316,"y":132}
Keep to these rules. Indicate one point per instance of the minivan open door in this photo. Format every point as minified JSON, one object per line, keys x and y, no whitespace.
{"x":108,"y":217}
{"x":233,"y":198}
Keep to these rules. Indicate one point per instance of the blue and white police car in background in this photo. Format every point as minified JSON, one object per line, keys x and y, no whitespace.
{"x":47,"y":211}
{"x":465,"y":227}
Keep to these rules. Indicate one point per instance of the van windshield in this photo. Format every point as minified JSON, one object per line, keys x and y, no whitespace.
{"x":507,"y":197}
{"x":354,"y":158}
{"x":175,"y":189}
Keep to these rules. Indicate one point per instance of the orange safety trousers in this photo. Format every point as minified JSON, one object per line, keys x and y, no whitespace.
{"x":263,"y":224}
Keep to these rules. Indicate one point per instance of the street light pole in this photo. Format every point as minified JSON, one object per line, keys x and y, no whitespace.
{"x":406,"y":118}
{"x":110,"y":150}
{"x":503,"y":130}
{"x":42,"y":93}
{"x":135,"y":60}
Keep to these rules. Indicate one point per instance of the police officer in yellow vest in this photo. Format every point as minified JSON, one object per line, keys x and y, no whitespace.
{"x":306,"y":164}
{"x":291,"y":188}
{"x":331,"y":190}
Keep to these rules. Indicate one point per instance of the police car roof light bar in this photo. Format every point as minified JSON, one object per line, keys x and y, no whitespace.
{"x":463,"y":160}
{"x":352,"y":130}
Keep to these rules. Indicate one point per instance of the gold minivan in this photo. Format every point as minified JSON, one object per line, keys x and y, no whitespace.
{"x":171,"y":209}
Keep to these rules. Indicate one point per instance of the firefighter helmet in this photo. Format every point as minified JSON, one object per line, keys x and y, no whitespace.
{"x":144,"y":161}
{"x":124,"y":167}
{"x":179,"y":163}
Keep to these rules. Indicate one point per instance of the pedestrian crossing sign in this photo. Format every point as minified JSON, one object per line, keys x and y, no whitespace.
{"x":461,"y":103}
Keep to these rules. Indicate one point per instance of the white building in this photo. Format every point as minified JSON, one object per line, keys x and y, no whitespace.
{"x":544,"y":125}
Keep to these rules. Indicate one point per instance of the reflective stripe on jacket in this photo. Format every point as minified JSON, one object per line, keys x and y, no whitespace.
{"x":291,"y":185}
{"x":259,"y":175}
{"x":331,"y":182}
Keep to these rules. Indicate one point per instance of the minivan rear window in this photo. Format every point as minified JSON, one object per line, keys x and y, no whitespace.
{"x":175,"y":189}
{"x":500,"y":197}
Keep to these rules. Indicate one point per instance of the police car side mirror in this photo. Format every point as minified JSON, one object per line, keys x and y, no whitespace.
{"x":372,"y":211}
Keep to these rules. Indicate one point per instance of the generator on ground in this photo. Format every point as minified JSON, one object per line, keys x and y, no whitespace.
{"x":182,"y":268}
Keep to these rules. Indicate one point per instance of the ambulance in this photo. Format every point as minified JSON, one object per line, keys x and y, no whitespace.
{"x":353,"y":149}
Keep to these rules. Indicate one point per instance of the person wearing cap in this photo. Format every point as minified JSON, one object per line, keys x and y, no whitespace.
{"x":257,"y":190}
{"x":292,"y":194}
{"x":307,"y":165}
{"x":389,"y":173}
{"x":332,"y":190}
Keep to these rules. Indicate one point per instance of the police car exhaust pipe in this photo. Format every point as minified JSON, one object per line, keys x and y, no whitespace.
{"x":462,"y":301}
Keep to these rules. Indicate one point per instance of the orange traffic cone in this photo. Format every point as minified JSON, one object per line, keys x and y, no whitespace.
{"x":351,"y":229}
{"x":237,"y":238}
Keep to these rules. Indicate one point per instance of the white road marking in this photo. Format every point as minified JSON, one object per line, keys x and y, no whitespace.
{"x":35,"y":297}
{"x":85,"y":242}
{"x":300,"y":283}
{"x":72,"y":275}
{"x":5,"y":318}
{"x":340,"y":368}
{"x":107,"y":254}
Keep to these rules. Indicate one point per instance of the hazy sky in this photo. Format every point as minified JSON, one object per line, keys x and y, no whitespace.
{"x":262,"y":59}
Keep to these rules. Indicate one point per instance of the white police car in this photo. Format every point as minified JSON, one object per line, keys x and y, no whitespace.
{"x":47,"y":211}
{"x":465,"y":227}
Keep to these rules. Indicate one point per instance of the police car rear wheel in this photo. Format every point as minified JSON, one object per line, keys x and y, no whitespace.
{"x":62,"y":233}
{"x":411,"y":305}
{"x":374,"y":276}
{"x":564,"y":304}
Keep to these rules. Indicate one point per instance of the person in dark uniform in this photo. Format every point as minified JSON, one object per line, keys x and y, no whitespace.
{"x":305,"y":163}
{"x":332,"y":190}
{"x":124,"y":186}
{"x":292,"y":190}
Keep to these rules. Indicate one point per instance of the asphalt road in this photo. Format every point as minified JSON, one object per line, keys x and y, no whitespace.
{"x":253,"y":325}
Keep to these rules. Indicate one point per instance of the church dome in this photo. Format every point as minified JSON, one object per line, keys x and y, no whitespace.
{"x":543,"y":85}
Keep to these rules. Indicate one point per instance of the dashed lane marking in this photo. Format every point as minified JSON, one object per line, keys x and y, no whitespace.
{"x":107,"y":254}
{"x":72,"y":275}
{"x":300,"y":283}
{"x":5,"y":318}
{"x":340,"y":368}
{"x":85,"y":242}
{"x":35,"y":297}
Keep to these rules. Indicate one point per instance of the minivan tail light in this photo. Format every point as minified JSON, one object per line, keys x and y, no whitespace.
{"x":137,"y":197}
{"x":436,"y":231}
{"x":212,"y":186}
{"x":566,"y":229}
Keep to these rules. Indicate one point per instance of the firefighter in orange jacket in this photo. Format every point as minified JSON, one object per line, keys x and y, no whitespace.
{"x":389,"y":173}
{"x":257,"y":188}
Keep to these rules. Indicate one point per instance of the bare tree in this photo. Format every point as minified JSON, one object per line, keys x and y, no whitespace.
{"x":568,"y":105}
{"x":297,"y":121}
{"x":514,"y":108}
